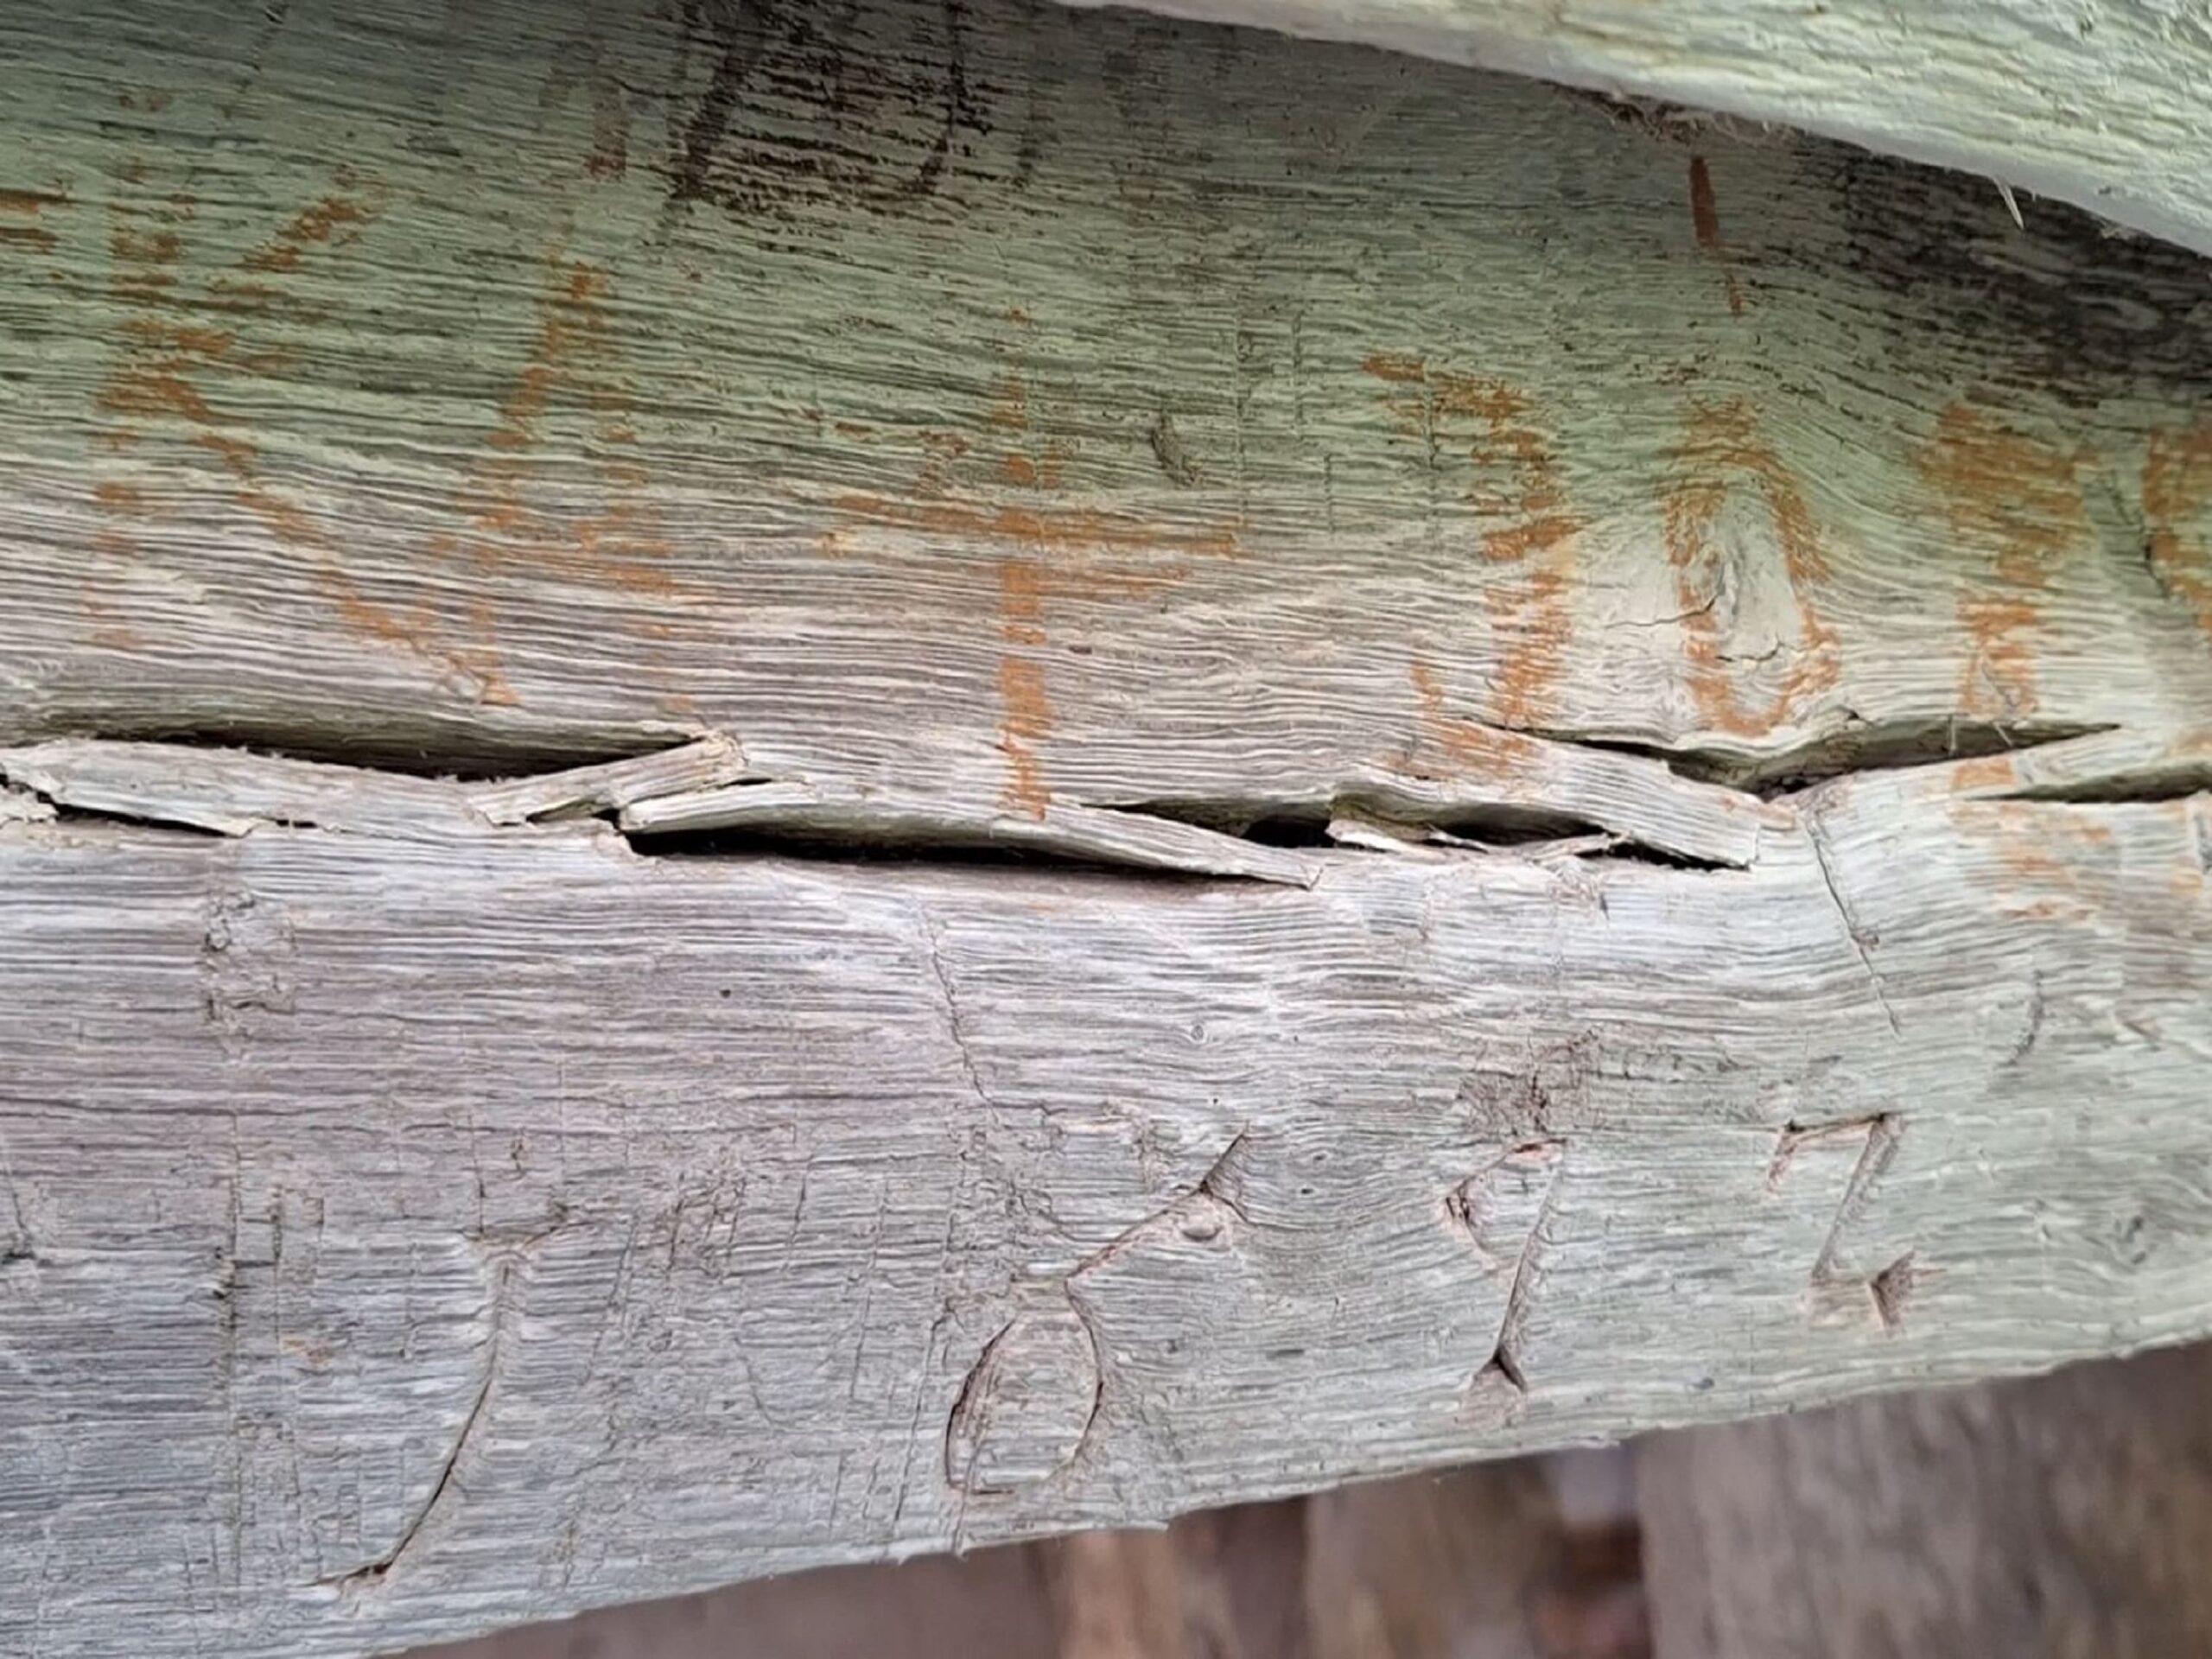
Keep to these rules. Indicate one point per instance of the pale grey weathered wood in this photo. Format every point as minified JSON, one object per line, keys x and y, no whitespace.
{"x":424,"y":1212}
{"x":486,"y":1226}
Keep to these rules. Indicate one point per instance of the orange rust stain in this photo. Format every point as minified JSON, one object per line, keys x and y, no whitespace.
{"x":35,"y":237}
{"x":32,"y":202}
{"x":1722,"y":438}
{"x":1018,"y":469}
{"x":2015,"y":502}
{"x":2178,"y":507}
{"x":115,"y":497}
{"x":1704,"y":219}
{"x":316,"y":222}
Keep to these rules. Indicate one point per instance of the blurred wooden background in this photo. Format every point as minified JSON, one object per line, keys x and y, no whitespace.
{"x":2068,"y":1516}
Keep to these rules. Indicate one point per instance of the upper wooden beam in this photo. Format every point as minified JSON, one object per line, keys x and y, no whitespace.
{"x":2099,"y":103}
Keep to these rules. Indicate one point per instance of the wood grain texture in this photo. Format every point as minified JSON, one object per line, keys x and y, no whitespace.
{"x":2099,"y":103}
{"x":985,"y":429}
{"x":2065,"y":1517}
{"x":485,"y":1226}
{"x":1050,"y":408}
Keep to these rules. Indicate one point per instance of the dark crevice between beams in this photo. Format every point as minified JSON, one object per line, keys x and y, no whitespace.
{"x":482,"y":757}
{"x":1861,"y":746}
{"x":960,"y":847}
{"x":2174,"y":783}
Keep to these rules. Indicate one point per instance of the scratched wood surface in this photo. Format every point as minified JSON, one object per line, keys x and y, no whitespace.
{"x":410,"y":1232}
{"x":1384,"y":547}
{"x":1033,"y":406}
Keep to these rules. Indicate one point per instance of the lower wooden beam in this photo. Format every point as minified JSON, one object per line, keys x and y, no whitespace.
{"x":413,"y":1224}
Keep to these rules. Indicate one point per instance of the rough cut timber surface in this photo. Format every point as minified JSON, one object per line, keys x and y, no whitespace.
{"x":2105,"y":104}
{"x":1154,"y":451}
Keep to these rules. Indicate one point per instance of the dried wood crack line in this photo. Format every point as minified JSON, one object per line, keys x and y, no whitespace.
{"x":379,"y":1571}
{"x":1818,"y":838}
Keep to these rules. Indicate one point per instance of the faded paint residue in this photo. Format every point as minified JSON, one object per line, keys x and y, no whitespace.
{"x":1047,"y":551}
{"x":1021,"y":602}
{"x":1705,"y":220}
{"x":609,"y":155}
{"x":162,"y":363}
{"x":2014,"y":502}
{"x":2044,"y":865}
{"x":1722,"y":449}
{"x":2177,"y":511}
{"x":1026,"y":720}
{"x":1490,"y":750}
{"x":318,"y":221}
{"x":1987,"y":771}
{"x":1529,"y":527}
{"x":1009,"y":404}
{"x":621,"y":544}
{"x":28,"y":204}
{"x":1025,"y":584}
{"x":1396,"y":367}
{"x":581,"y":58}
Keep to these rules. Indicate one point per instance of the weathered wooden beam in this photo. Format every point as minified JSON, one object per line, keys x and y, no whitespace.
{"x":1036,"y":406}
{"x":1254,"y":481}
{"x":2099,"y":103}
{"x":413,"y":1232}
